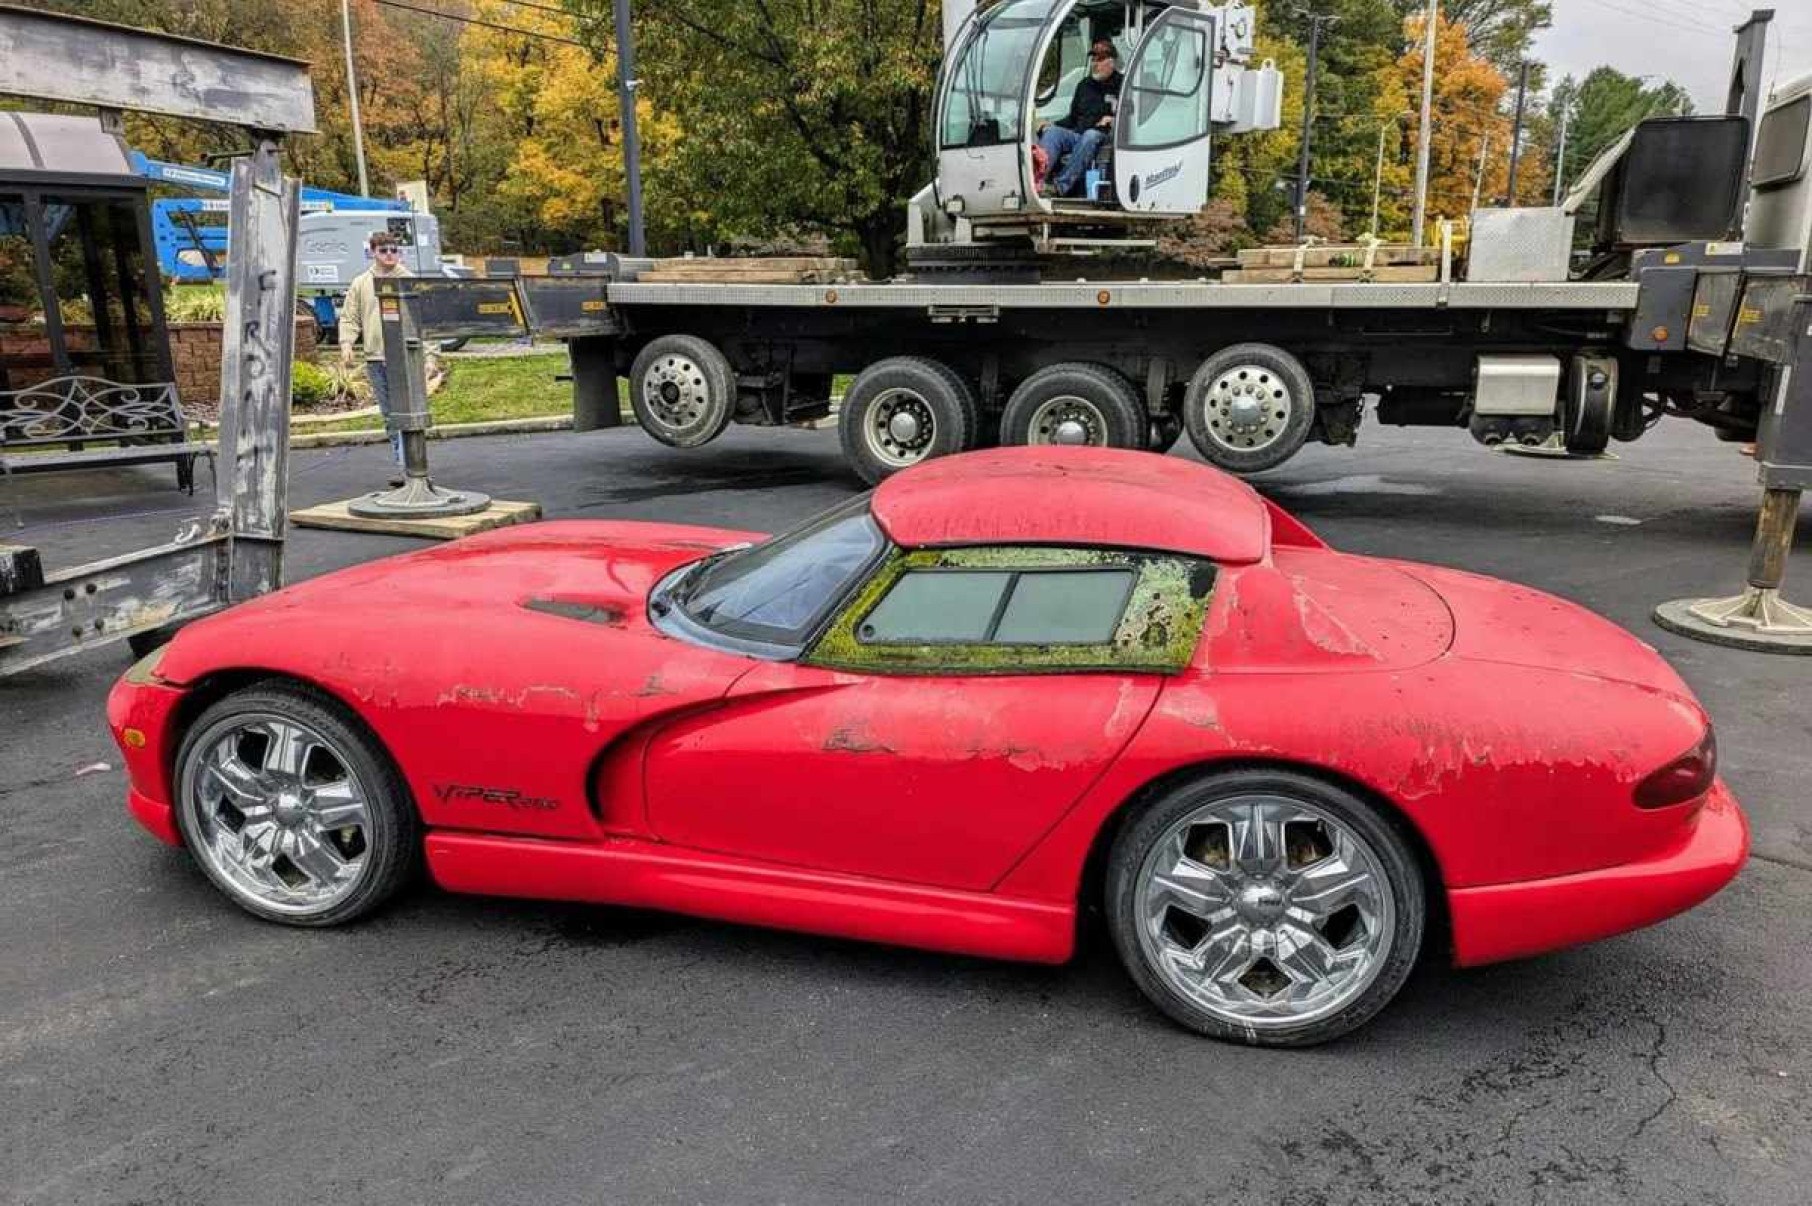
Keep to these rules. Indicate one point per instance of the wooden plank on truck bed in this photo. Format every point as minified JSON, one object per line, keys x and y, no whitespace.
{"x":776,"y":270}
{"x":1336,"y":255}
{"x":1399,"y":274}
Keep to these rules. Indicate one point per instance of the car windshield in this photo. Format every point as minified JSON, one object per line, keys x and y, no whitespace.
{"x":780,"y":590}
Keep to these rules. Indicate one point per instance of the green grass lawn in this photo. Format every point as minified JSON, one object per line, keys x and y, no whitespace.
{"x":482,"y":391}
{"x":515,"y":387}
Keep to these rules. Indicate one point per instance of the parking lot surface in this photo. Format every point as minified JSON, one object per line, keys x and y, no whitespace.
{"x":156,"y":1045}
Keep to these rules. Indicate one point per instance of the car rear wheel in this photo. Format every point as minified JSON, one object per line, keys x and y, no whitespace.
{"x":1075,"y":403}
{"x":1249,"y":407}
{"x":683,"y":390}
{"x":292,"y":810}
{"x":1265,"y":907}
{"x":904,"y":410}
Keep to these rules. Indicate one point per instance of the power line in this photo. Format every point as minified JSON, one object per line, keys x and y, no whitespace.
{"x":513,"y":29}
{"x":1639,"y":14}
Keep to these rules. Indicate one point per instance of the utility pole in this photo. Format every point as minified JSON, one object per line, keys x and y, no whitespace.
{"x":1560,"y":155}
{"x":1516,"y":129}
{"x":352,"y":92}
{"x":1478,"y":181}
{"x":1316,"y":20}
{"x":1378,"y":179}
{"x":632,"y":143}
{"x":1428,"y":49}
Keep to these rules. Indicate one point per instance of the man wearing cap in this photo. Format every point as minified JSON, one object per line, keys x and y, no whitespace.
{"x":360,"y":325}
{"x":1071,"y":142}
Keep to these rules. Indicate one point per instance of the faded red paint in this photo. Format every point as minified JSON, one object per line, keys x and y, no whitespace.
{"x":1076,"y":496}
{"x":1508,"y":728}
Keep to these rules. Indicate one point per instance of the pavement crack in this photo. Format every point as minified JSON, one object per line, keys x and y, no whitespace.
{"x":1782,"y":860}
{"x":1653,"y":1059}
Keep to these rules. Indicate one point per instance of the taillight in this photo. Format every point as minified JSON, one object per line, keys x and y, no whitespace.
{"x":1685,"y":778}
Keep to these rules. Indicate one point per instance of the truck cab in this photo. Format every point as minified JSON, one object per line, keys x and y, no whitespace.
{"x":1014,"y":65}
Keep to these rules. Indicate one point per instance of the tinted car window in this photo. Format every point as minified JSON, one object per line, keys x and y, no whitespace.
{"x":778,"y":591}
{"x":1070,"y":608}
{"x":937,"y":605}
{"x":1000,"y":607}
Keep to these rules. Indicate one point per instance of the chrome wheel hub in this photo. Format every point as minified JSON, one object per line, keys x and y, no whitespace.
{"x":277,"y":814}
{"x":900,"y":428}
{"x":1067,"y":420}
{"x":1265,"y":911}
{"x":675,"y":391}
{"x":1248,"y":408}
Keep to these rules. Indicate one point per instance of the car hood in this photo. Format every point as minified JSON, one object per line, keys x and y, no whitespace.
{"x":589,"y":571}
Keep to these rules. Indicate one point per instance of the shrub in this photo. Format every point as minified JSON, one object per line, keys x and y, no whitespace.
{"x":310,"y":385}
{"x":194,"y":303}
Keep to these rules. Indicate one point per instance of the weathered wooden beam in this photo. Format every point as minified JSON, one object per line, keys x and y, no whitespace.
{"x":20,"y":569}
{"x":54,"y":57}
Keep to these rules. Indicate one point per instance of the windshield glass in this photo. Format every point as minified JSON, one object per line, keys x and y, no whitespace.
{"x":779,"y":591}
{"x":987,"y":84}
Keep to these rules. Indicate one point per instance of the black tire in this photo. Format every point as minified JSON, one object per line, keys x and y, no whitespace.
{"x":936,"y":399}
{"x":453,"y":345}
{"x":1098,"y":399}
{"x":1585,"y":425}
{"x":1387,"y":969}
{"x":391,"y":842}
{"x":1280,"y":390}
{"x":683,"y":390}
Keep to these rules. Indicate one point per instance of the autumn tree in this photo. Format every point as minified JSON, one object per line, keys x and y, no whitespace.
{"x":813,"y":117}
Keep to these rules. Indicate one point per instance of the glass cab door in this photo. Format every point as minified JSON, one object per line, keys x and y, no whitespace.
{"x":1161,"y":137}
{"x":982,"y":134}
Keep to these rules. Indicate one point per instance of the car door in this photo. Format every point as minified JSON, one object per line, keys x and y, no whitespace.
{"x":1161,"y":136}
{"x":947,"y":717}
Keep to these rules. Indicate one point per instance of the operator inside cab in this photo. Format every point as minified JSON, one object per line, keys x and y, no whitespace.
{"x":1070,"y":143}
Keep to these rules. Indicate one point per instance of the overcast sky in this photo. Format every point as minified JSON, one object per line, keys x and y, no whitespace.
{"x":1688,"y":41}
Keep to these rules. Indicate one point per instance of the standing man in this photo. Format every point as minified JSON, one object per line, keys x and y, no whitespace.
{"x":1072,"y":141}
{"x":359,"y":322}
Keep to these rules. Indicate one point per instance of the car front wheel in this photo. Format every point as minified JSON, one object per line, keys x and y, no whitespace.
{"x":1266,"y":907}
{"x":292,"y":809}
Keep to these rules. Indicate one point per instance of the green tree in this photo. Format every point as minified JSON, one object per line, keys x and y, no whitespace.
{"x":810,"y":117}
{"x":1599,"y":108}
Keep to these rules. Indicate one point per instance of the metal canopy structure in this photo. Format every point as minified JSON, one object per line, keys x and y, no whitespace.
{"x":63,"y":147}
{"x":237,"y":551}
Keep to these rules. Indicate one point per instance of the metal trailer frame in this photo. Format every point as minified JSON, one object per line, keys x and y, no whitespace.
{"x":237,"y":552}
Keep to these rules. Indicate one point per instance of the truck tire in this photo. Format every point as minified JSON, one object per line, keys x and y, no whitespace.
{"x":1249,"y":407}
{"x":904,"y":410}
{"x":1076,"y":403}
{"x":683,"y":390}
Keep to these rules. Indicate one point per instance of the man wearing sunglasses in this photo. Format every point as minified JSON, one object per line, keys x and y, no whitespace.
{"x":360,"y":327}
{"x":1071,"y":142}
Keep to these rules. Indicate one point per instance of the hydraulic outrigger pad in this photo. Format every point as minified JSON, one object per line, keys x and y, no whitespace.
{"x":418,"y":497}
{"x":1759,"y":618}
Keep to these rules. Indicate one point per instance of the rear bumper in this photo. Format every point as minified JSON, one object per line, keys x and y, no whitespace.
{"x":1507,"y":921}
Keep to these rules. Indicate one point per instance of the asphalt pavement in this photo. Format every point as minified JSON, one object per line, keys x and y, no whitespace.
{"x":157,"y":1045}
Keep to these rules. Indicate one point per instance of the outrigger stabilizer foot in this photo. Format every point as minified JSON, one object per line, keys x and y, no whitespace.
{"x":1759,"y":618}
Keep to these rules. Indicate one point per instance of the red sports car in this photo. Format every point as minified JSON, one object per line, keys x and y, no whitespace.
{"x":954,"y":713}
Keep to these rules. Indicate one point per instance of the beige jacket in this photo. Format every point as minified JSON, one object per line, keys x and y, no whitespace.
{"x":359,"y":314}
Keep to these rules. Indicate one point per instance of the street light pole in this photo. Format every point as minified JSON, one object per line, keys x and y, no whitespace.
{"x":632,"y":144}
{"x":1316,"y":21}
{"x":1428,"y":49}
{"x":1560,"y":155}
{"x":352,"y":92}
{"x":1516,"y":129}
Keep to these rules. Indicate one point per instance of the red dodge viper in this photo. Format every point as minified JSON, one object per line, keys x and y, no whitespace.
{"x":954,"y":713}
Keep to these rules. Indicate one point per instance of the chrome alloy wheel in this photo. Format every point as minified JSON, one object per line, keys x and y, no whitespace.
{"x":675,"y":390}
{"x":277,"y":815}
{"x":1067,"y":419}
{"x":900,"y":428}
{"x":1265,"y":911}
{"x":1248,"y":408}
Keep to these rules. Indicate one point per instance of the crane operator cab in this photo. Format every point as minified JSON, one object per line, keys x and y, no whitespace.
{"x":1014,"y":66}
